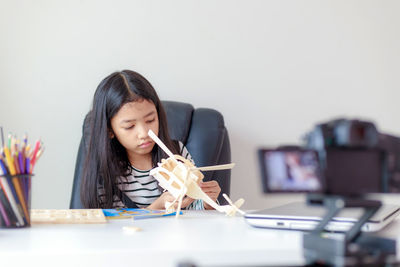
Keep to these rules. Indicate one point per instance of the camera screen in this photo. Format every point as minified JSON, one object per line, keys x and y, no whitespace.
{"x":296,"y":170}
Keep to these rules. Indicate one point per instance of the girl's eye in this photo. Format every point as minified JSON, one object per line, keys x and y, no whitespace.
{"x":130,"y":127}
{"x":150,"y":121}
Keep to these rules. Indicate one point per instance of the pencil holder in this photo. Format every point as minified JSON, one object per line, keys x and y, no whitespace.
{"x":15,"y":200}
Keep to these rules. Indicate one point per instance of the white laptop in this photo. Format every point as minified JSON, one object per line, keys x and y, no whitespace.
{"x":299,"y":216}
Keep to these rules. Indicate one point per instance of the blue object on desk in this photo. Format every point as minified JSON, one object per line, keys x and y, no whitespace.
{"x":136,"y":214}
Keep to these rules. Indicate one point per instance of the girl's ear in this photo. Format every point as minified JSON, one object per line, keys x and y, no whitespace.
{"x":111,"y":134}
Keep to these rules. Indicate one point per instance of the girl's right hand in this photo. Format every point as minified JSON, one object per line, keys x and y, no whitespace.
{"x":159,"y":203}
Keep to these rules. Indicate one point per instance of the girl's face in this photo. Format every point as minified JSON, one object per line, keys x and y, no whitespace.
{"x":131,"y":124}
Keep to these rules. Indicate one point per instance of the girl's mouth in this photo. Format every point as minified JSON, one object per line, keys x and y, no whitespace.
{"x":145,"y":144}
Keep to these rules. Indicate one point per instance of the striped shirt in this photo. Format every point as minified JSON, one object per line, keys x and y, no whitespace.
{"x":143,"y":189}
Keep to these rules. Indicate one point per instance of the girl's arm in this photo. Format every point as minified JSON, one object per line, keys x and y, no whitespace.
{"x":159,"y":203}
{"x":212,"y":189}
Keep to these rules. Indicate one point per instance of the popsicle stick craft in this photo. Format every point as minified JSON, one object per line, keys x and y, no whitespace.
{"x":181,"y":177}
{"x":67,"y":216}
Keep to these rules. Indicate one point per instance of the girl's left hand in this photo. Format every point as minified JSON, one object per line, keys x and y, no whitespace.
{"x":212,"y":189}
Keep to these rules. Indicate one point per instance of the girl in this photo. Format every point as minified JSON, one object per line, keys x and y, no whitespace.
{"x":121,"y":154}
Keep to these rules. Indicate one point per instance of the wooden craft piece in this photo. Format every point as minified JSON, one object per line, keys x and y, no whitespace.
{"x":180,"y":177}
{"x":131,"y":229}
{"x":67,"y":216}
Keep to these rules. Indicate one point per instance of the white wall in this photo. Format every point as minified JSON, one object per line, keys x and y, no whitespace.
{"x":273,"y":68}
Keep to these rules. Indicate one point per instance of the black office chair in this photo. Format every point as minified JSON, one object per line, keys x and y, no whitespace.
{"x":201,"y":130}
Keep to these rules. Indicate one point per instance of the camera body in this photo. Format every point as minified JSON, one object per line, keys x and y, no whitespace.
{"x":343,"y":133}
{"x":340,"y":157}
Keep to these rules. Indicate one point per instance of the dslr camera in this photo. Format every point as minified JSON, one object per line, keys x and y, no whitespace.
{"x":340,"y":157}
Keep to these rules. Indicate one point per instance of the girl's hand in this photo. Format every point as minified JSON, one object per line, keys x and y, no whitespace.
{"x":159,"y":203}
{"x":212,"y":189}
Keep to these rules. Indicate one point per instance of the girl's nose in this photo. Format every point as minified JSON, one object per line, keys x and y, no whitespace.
{"x":142,"y":132}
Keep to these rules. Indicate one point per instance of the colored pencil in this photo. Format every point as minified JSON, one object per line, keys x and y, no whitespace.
{"x":35,"y":151}
{"x":2,"y":137}
{"x":9,"y":161}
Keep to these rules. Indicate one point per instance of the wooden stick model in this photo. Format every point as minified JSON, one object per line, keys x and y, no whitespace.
{"x":180,"y":177}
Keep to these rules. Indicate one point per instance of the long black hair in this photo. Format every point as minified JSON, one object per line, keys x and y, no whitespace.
{"x":106,"y":158}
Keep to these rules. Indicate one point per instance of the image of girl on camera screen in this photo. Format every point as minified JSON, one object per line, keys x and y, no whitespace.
{"x":292,"y":171}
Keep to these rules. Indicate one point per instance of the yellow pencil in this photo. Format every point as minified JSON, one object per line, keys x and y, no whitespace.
{"x":9,"y":160}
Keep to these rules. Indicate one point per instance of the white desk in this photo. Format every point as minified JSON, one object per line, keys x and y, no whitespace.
{"x":205,"y":238}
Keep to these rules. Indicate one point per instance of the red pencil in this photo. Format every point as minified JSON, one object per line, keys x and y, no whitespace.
{"x":35,"y":151}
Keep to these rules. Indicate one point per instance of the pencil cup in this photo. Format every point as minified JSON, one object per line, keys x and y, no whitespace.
{"x":15,"y":200}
